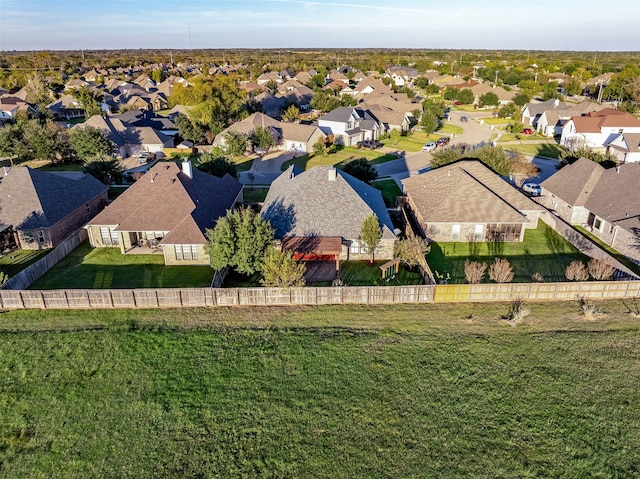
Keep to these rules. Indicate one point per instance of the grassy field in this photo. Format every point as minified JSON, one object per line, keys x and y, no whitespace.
{"x":396,"y":391}
{"x":15,"y":261}
{"x":105,"y":268}
{"x":543,"y":251}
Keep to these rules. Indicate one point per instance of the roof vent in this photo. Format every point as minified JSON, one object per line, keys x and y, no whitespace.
{"x":332,"y":174}
{"x":187,"y":169}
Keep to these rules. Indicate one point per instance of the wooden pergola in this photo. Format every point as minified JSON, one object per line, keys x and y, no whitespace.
{"x":314,"y":248}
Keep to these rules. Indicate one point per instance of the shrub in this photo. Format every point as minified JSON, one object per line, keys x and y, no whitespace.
{"x":474,"y":271}
{"x":537,"y":277}
{"x":599,"y":269}
{"x":501,"y":271}
{"x":281,"y":270}
{"x":576,"y":271}
{"x":412,"y":250}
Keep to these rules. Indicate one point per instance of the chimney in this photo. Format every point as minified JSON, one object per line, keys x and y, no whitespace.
{"x":6,"y":172}
{"x":187,"y":169}
{"x":617,"y":168}
{"x":332,"y":174}
{"x":556,"y":102}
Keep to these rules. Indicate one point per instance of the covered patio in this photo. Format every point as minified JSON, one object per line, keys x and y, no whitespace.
{"x":321,"y":255}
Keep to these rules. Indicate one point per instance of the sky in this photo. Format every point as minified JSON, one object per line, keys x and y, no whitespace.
{"x":444,"y":24}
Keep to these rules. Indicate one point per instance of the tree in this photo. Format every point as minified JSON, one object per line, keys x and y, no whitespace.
{"x":474,"y":271}
{"x":522,"y":168}
{"x":466,"y":96}
{"x":495,"y":157}
{"x":550,"y":90}
{"x":451,"y":94}
{"x":573,"y":87}
{"x":291,"y":114}
{"x":217,"y":165}
{"x":395,"y":136}
{"x":89,"y":100}
{"x":599,"y":269}
{"x":12,"y":143}
{"x":489,"y":99}
{"x":281,"y":270}
{"x":189,"y":130}
{"x":325,"y":102}
{"x":429,"y":122}
{"x":89,"y":141}
{"x":576,"y":271}
{"x":438,"y":108}
{"x":521,"y":99}
{"x":363,"y":170}
{"x":319,"y":146}
{"x":104,"y":168}
{"x":606,"y":160}
{"x":507,"y":110}
{"x":235,"y":143}
{"x":239,"y":240}
{"x":262,"y":138}
{"x":501,"y":271}
{"x":412,"y":250}
{"x":370,"y":234}
{"x":45,"y":141}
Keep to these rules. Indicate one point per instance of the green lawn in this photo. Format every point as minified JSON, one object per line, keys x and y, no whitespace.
{"x":550,"y":150}
{"x":15,"y":261}
{"x":389,"y":189}
{"x":254,"y":194}
{"x":542,"y":251}
{"x":362,"y":273}
{"x":343,"y":155}
{"x":336,"y":392}
{"x":105,"y":268}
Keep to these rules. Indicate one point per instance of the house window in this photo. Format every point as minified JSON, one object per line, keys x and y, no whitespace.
{"x":597,"y":224}
{"x":355,"y":247}
{"x":41,"y":236}
{"x":186,"y":252}
{"x":455,"y":232}
{"x":477,"y":235}
{"x":194,"y":252}
{"x":114,"y":237}
{"x":178,"y":250}
{"x":109,"y":236}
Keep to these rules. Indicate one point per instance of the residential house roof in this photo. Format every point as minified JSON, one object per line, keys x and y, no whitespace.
{"x":575,"y":182}
{"x":166,"y":199}
{"x":467,"y":192}
{"x":323,"y":201}
{"x":32,"y":199}
{"x":594,"y":122}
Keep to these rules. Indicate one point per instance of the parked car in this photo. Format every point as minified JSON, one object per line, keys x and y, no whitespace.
{"x":443,"y":141}
{"x":533,"y":189}
{"x":429,"y":146}
{"x":527,"y":131}
{"x":371,"y":144}
{"x":464,"y":118}
{"x":457,"y":103}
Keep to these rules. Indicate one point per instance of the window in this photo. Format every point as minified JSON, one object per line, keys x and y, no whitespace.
{"x":186,"y":252}
{"x":455,"y":232}
{"x":477,"y":235}
{"x":178,"y":250}
{"x":114,"y":237}
{"x":355,"y":247}
{"x":194,"y":252}
{"x":597,"y":224}
{"x":109,"y":236}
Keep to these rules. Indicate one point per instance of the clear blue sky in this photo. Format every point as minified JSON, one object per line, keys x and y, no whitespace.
{"x":459,"y":24}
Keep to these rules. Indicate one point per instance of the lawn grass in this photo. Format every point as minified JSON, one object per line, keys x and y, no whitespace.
{"x":549,"y":150}
{"x":343,"y":155}
{"x":449,"y":129}
{"x":15,"y":261}
{"x":363,"y":273}
{"x":347,"y":391}
{"x":543,"y":251}
{"x":106,"y":268}
{"x":254,"y":194}
{"x":612,"y":251}
{"x":390,"y":190}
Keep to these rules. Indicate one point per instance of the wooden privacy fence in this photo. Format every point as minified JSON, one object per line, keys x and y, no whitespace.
{"x":27,"y":276}
{"x":370,"y":295}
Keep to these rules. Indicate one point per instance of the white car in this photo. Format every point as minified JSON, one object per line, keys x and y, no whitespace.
{"x":533,"y":189}
{"x":429,"y":146}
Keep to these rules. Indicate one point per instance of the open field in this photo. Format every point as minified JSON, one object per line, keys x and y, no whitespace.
{"x":395,"y":391}
{"x":105,"y":268}
{"x":543,"y":251}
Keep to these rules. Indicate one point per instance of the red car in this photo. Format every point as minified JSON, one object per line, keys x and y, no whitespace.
{"x":527,"y":131}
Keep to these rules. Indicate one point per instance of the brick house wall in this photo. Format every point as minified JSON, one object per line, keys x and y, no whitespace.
{"x":352,"y":252}
{"x":171,"y":258}
{"x":44,"y":238}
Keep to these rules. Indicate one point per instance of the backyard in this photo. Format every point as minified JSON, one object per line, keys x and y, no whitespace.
{"x":342,"y":155}
{"x":105,"y":268}
{"x":320,"y":392}
{"x":543,"y":251}
{"x":15,"y":261}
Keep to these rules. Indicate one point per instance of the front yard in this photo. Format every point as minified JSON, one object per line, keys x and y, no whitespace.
{"x":106,"y":268}
{"x":543,"y":251}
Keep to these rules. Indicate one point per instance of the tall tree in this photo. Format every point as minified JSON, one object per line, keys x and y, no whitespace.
{"x":217,"y":165}
{"x":262,"y":138}
{"x":235,"y":143}
{"x":89,"y":100}
{"x":371,"y":234}
{"x":239,"y":240}
{"x":89,"y":141}
{"x":281,"y":270}
{"x":189,"y":130}
{"x":361,"y":168}
{"x":104,"y":168}
{"x":291,"y":114}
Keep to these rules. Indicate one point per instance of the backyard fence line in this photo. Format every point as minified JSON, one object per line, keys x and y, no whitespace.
{"x":305,"y":296}
{"x":31,"y":273}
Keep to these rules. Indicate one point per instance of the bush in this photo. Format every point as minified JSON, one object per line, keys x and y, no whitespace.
{"x":412,"y":250}
{"x":501,"y":271}
{"x":281,"y":270}
{"x":576,"y":271}
{"x":474,"y":271}
{"x":599,"y":269}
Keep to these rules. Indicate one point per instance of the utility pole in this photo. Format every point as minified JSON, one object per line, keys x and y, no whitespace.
{"x":600,"y":91}
{"x":189,"y":27}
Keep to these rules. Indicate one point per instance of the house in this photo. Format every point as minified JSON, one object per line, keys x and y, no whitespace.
{"x":601,"y":200}
{"x":66,"y":108}
{"x":531,"y":112}
{"x":550,"y":122}
{"x":42,"y":209}
{"x":625,"y":147}
{"x":401,"y":76}
{"x":11,"y":105}
{"x":597,"y":129}
{"x":318,"y":214}
{"x":349,"y":125}
{"x":294,"y":137}
{"x":466,"y":201}
{"x":166,"y":212}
